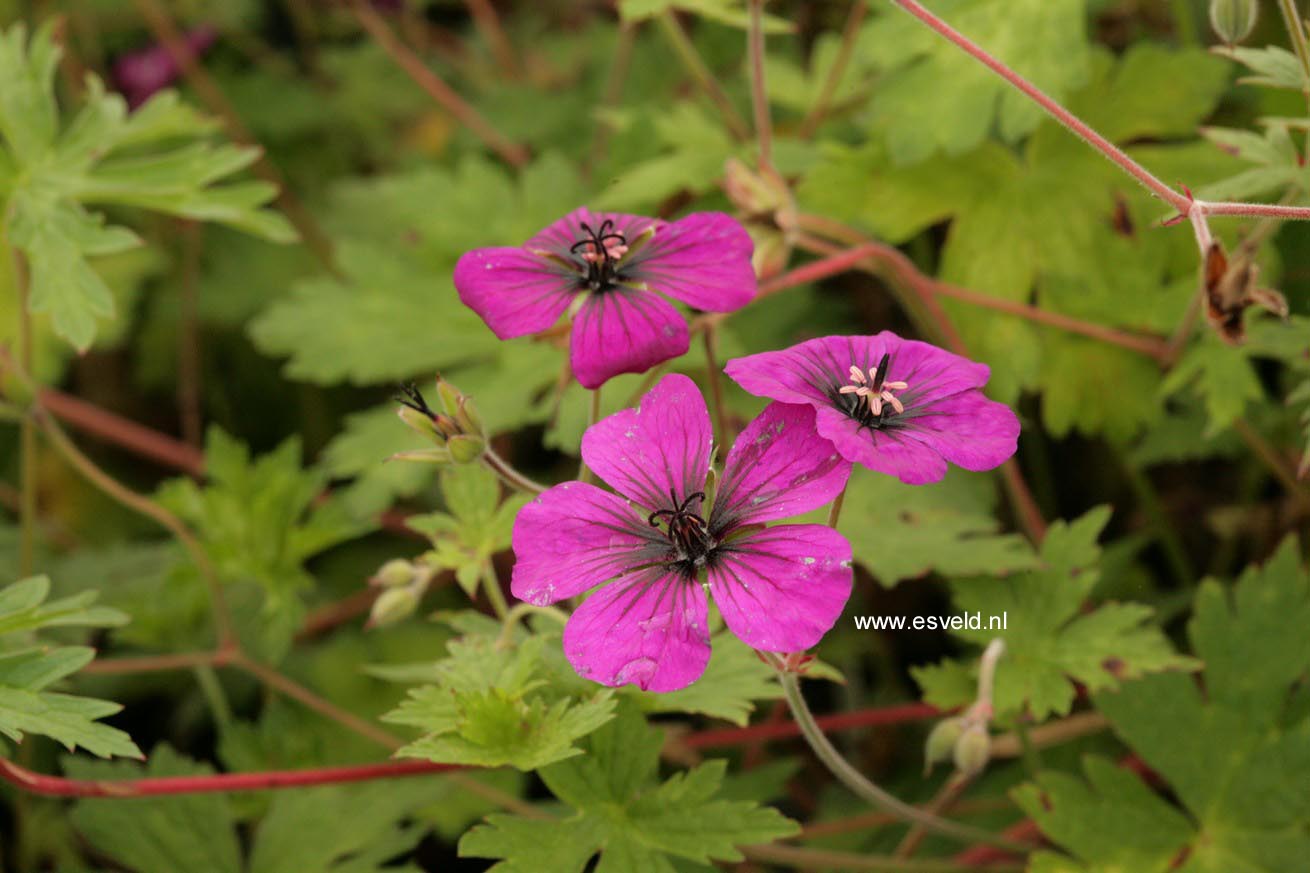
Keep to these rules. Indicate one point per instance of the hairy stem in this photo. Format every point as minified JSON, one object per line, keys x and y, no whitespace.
{"x":593,"y":416}
{"x":711,"y":337}
{"x":496,"y":597}
{"x":691,"y":59}
{"x":759,"y":90}
{"x":869,"y":791}
{"x":850,"y":862}
{"x":27,"y":448}
{"x":445,"y":96}
{"x":151,"y":509}
{"x":1185,"y":204}
{"x":834,"y":511}
{"x":849,"y":35}
{"x":511,"y":477}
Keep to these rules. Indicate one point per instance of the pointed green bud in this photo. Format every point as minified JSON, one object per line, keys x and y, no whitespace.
{"x":393,"y":605}
{"x":468,"y":419}
{"x":973,"y":749}
{"x":449,"y":395}
{"x":439,"y":455}
{"x":421,"y":423}
{"x":941,"y":742}
{"x":466,"y":448}
{"x":393,"y":574}
{"x":1233,"y":20}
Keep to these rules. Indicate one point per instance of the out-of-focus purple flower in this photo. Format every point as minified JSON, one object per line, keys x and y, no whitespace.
{"x":140,"y":74}
{"x":897,"y":406}
{"x":606,"y":268}
{"x":779,"y":588}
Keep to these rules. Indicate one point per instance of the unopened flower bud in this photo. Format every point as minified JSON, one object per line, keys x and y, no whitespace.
{"x":752,"y":192}
{"x":393,"y":605}
{"x":439,"y":455}
{"x":941,"y":742}
{"x":467,"y":417}
{"x":421,"y":423}
{"x":973,"y":749}
{"x":1233,"y":20}
{"x":394,"y":574}
{"x":466,"y":448}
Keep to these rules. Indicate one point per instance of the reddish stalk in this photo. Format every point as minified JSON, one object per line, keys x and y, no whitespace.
{"x":156,"y":663}
{"x":488,"y":24}
{"x":759,"y":91}
{"x":267,"y":780}
{"x":1195,"y":210}
{"x":124,"y":432}
{"x":849,"y":35}
{"x":463,"y":111}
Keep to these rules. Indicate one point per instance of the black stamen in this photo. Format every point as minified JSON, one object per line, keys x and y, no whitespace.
{"x":411,"y":397}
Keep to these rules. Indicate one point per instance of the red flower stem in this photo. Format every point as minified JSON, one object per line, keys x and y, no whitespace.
{"x":883,"y":259}
{"x":512,"y":153}
{"x":849,"y":36}
{"x":685,"y":49}
{"x":1194,"y":210}
{"x":759,"y":91}
{"x":124,"y":432}
{"x":156,"y":663}
{"x":487,"y":22}
{"x":58,"y":786}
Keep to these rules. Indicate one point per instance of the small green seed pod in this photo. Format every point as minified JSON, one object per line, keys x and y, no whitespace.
{"x":941,"y":742}
{"x":1233,"y":20}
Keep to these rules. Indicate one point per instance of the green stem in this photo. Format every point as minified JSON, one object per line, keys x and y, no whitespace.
{"x":593,"y":416}
{"x":1174,"y":551}
{"x":834,"y":511}
{"x":868,"y":791}
{"x":227,"y":638}
{"x":28,"y":467}
{"x":496,"y":597}
{"x":849,"y":36}
{"x":691,"y":59}
{"x":212,"y":689}
{"x":1185,"y":23}
{"x":759,"y":93}
{"x":716,"y":386}
{"x":511,"y":477}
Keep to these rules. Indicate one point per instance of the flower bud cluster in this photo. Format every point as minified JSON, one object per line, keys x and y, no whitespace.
{"x":458,"y":431}
{"x":403,"y":584}
{"x":964,"y":738}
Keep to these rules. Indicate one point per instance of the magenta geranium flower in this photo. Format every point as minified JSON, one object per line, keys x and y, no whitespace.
{"x":897,"y":406}
{"x":609,"y":270}
{"x":779,"y":588}
{"x":142,"y":73}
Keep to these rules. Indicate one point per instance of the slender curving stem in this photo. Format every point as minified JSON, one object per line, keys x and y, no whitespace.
{"x":511,"y":477}
{"x":869,"y":791}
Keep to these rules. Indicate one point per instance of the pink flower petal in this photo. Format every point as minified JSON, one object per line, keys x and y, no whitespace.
{"x":574,"y":537}
{"x":891,"y":451}
{"x":624,"y":331}
{"x":778,"y":467}
{"x":663,"y":445}
{"x":704,"y":260}
{"x":811,"y":371}
{"x":514,"y":291}
{"x":648,"y":629}
{"x":782,"y":588}
{"x":560,"y":236}
{"x":967,"y":429}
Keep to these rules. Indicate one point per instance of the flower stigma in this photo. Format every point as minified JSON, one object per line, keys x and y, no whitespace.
{"x":687,"y":531}
{"x":873,"y":393}
{"x":601,"y":249}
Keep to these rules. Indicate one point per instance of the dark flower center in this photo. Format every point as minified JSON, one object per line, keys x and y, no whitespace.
{"x":869,"y":400}
{"x":600,"y":251}
{"x":688,"y":533}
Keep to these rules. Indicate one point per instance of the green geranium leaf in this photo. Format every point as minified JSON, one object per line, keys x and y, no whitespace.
{"x":1050,"y":642}
{"x":156,"y":158}
{"x":1233,"y":755}
{"x":28,"y":669}
{"x":903,"y":531}
{"x":622,"y":812}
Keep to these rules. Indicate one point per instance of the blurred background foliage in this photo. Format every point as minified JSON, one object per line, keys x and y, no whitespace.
{"x":268,"y":365}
